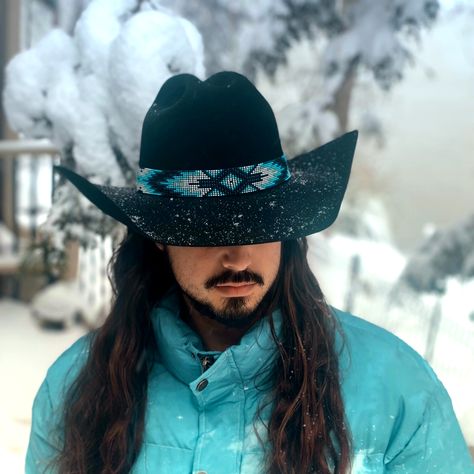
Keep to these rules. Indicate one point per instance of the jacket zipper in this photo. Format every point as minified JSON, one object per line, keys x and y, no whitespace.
{"x":206,"y":362}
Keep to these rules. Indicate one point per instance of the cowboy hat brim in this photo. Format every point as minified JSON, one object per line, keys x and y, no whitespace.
{"x":307,"y":203}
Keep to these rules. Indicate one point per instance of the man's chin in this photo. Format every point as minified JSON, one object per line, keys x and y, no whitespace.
{"x":232,"y":319}
{"x":235,"y":312}
{"x":240,"y":322}
{"x":229,"y":316}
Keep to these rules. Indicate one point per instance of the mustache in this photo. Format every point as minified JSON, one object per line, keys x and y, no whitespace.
{"x":232,"y":277}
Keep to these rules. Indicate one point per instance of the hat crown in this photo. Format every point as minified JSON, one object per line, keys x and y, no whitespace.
{"x":222,"y":122}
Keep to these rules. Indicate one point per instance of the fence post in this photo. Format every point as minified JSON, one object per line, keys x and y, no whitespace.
{"x":433,"y":330}
{"x":354,"y":277}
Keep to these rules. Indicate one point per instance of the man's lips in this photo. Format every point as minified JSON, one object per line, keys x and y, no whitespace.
{"x":244,"y":283}
{"x":236,"y":289}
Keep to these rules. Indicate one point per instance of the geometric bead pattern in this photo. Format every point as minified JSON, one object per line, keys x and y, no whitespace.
{"x":215,"y":182}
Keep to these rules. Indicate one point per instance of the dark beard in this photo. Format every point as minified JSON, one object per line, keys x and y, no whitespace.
{"x":232,"y":316}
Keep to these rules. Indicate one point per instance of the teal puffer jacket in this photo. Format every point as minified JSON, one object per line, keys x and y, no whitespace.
{"x":200,"y":416}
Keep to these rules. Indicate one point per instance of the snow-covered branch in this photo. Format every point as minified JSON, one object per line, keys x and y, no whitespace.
{"x":88,"y":93}
{"x":443,"y":254}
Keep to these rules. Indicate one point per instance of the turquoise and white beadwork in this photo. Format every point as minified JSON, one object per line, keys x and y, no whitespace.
{"x":215,"y":182}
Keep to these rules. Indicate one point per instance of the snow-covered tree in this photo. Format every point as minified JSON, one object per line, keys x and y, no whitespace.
{"x":68,"y":12}
{"x":65,"y":13}
{"x":348,"y":35}
{"x":444,"y":254}
{"x":89,"y":93}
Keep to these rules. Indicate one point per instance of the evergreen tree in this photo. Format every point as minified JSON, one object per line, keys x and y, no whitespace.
{"x":448,"y":253}
{"x":249,"y":36}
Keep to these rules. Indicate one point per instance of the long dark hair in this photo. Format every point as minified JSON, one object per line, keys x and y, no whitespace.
{"x":104,"y":410}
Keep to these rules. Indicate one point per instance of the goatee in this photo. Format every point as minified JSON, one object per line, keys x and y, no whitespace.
{"x":233,"y":316}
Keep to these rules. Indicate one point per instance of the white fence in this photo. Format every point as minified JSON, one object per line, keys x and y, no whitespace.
{"x":26,"y":190}
{"x":27,"y":187}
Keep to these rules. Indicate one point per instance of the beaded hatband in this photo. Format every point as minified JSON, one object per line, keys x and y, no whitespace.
{"x":216,"y":182}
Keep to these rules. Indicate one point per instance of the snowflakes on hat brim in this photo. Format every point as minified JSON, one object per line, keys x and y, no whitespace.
{"x":307,"y":203}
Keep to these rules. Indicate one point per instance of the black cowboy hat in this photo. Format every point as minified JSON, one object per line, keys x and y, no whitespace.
{"x":212,"y":171}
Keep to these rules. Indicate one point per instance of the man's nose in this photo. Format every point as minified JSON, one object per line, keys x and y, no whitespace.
{"x":236,"y":258}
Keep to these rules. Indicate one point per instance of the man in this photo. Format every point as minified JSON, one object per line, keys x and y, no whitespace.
{"x":220,"y":354}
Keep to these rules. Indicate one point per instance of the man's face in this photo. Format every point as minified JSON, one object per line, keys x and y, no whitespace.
{"x":225,"y":283}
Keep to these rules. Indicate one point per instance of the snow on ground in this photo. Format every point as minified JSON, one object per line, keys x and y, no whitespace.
{"x":330,"y":257}
{"x":26,"y":352}
{"x":453,"y":358}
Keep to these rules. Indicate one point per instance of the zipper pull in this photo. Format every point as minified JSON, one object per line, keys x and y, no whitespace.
{"x":206,"y":362}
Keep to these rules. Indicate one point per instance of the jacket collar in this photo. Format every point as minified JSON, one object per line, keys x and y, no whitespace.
{"x":179,"y":346}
